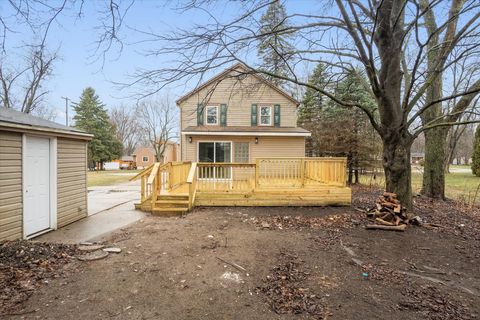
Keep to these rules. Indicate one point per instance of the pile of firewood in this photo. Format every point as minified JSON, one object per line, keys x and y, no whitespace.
{"x":388,"y":214}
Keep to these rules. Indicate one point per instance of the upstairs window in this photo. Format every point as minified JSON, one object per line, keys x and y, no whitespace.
{"x":145,"y":159}
{"x":265,"y":115}
{"x":212,"y":115}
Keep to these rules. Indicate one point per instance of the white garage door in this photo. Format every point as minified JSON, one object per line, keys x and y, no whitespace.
{"x":36,"y":177}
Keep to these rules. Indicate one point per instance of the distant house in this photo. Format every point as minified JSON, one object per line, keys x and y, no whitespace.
{"x":145,"y":156}
{"x":238,"y":116}
{"x":124,"y":163}
{"x":43,"y":175}
{"x":417,"y":157}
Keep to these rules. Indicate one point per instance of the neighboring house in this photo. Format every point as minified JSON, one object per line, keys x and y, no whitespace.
{"x":238,"y":116}
{"x":124,"y":163}
{"x":43,"y":175}
{"x":145,"y":156}
{"x":417,"y":157}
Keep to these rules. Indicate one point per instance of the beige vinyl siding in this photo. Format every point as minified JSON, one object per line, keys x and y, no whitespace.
{"x":266,"y":147}
{"x":71,"y":181}
{"x":239,"y":96}
{"x":10,"y":186}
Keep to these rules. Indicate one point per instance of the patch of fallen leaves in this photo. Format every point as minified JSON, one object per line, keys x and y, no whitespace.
{"x":286,"y":292}
{"x":345,"y":220}
{"x":433,"y":304}
{"x":25,"y":265}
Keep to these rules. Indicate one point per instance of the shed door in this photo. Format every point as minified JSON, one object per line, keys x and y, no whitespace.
{"x":36,"y":177}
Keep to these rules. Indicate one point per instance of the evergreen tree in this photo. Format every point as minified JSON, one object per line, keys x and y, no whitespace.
{"x":312,"y":100}
{"x":476,"y":153}
{"x":353,"y":135}
{"x":274,"y":48}
{"x":309,"y":112}
{"x":92,"y":117}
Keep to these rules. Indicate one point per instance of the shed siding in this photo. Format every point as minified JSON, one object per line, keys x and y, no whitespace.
{"x":10,"y":186}
{"x":266,"y":147}
{"x":71,"y":181}
{"x":238,"y":95}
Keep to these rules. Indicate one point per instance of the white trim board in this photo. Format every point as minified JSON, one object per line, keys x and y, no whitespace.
{"x":249,"y":133}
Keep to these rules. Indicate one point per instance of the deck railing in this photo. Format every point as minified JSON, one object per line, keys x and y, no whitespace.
{"x":161,"y":177}
{"x":265,"y":173}
{"x":225,"y":177}
{"x":178,"y":173}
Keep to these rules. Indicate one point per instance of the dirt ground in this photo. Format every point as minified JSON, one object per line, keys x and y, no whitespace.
{"x":275,"y":263}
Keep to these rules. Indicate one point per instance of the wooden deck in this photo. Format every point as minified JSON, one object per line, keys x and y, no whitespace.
{"x":178,"y":187}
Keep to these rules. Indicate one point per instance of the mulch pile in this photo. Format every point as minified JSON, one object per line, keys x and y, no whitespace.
{"x":433,"y":304}
{"x":286,"y":292}
{"x":25,"y":265}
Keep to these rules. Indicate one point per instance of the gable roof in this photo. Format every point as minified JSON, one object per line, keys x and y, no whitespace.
{"x":249,"y":71}
{"x":14,"y":119}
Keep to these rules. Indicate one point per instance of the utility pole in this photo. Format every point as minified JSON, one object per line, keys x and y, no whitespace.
{"x":66,"y":110}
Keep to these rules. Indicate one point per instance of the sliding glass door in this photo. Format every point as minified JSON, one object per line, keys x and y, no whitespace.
{"x":215,"y":152}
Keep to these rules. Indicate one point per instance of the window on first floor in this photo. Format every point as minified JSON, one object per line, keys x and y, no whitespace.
{"x":265,"y":115}
{"x":145,"y":159}
{"x":241,"y":152}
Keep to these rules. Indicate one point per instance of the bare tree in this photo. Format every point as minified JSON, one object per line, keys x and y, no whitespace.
{"x":23,"y":88}
{"x":159,"y":120}
{"x":446,"y":49}
{"x":128,"y":131}
{"x":385,"y":39}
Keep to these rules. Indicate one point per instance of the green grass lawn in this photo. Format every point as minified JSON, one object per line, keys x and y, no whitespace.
{"x":110,"y":177}
{"x":462,"y":186}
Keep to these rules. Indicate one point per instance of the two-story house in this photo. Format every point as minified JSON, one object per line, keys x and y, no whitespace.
{"x":238,"y":116}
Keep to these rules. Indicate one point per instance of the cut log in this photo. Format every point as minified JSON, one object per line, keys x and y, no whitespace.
{"x":390,"y":194}
{"x":383,"y":222}
{"x":381,"y":227}
{"x":397,"y":208}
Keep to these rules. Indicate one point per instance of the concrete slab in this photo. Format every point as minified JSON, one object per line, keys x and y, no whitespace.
{"x":109,"y":208}
{"x":106,"y":197}
{"x":93,"y":227}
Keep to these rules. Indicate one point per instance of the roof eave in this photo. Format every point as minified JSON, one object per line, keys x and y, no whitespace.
{"x":23,"y":127}
{"x":248,"y":133}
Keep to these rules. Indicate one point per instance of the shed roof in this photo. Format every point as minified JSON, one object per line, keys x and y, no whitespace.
{"x":16,"y":120}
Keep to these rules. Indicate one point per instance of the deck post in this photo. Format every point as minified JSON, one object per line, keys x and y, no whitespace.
{"x":302,"y":171}
{"x":257,"y":169}
{"x":170,"y":175}
{"x":142,"y":189}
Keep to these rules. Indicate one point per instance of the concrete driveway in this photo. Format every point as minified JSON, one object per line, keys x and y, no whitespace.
{"x":103,"y":198}
{"x":109,"y":208}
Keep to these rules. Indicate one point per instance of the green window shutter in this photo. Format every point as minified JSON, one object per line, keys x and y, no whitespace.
{"x":200,"y":109}
{"x":276,"y":115}
{"x":223,"y":115}
{"x":254,"y":116}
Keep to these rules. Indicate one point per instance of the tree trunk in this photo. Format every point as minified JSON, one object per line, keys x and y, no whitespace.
{"x":350,"y":171}
{"x":433,"y":184}
{"x":397,"y":168}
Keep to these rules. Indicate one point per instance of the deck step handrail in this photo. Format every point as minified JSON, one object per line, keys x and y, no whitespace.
{"x":192,"y":185}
